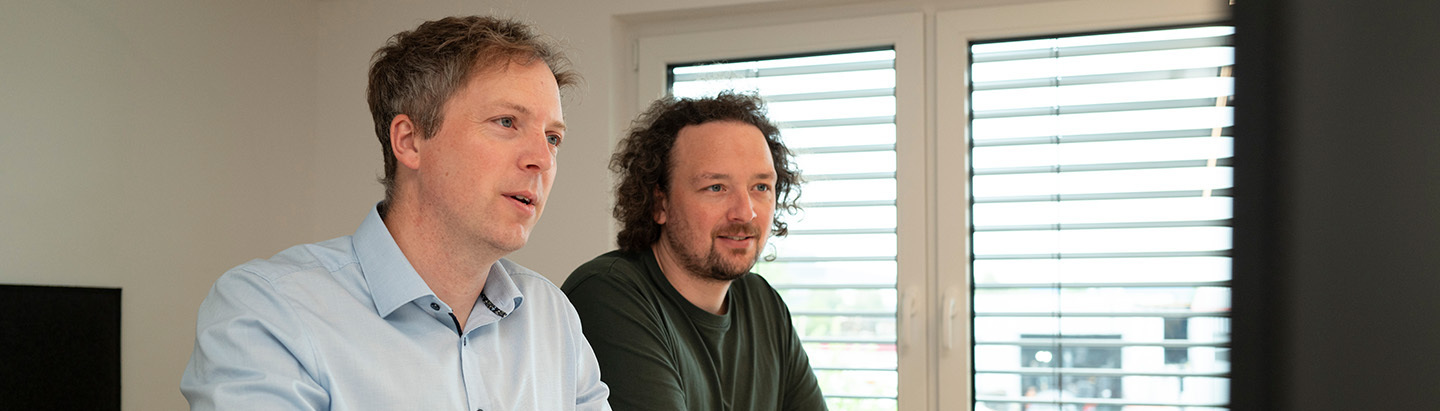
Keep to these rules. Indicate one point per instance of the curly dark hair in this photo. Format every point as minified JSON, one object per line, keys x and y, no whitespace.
{"x":642,"y":161}
{"x":418,"y":71}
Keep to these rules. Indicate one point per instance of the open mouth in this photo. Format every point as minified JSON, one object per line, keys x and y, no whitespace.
{"x":522,"y":199}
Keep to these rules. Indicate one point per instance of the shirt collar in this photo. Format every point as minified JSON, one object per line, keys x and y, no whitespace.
{"x":393,"y":281}
{"x":500,"y":288}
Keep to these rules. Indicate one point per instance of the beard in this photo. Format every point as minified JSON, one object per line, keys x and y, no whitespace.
{"x":714,"y":264}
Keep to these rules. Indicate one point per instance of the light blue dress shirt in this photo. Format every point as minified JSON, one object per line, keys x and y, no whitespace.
{"x":347,"y":324}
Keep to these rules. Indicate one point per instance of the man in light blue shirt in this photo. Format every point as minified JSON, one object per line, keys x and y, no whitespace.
{"x":418,"y":310}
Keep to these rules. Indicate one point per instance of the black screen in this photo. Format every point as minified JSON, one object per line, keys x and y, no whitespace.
{"x":59,"y":348}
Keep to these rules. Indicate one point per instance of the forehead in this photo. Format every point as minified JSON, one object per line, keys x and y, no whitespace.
{"x":524,"y":89}
{"x":502,"y":80}
{"x":721,"y":147}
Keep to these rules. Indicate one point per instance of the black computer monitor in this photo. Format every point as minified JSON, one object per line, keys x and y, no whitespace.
{"x":59,"y":348}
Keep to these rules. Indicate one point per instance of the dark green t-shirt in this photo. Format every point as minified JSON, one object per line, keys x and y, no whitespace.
{"x":657,"y":351}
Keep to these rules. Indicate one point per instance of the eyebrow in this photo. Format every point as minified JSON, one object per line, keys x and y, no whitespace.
{"x":710,"y":176}
{"x":721,"y":176}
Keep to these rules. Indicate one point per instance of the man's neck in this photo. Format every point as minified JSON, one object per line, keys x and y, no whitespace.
{"x":455,"y":271}
{"x":704,"y":292}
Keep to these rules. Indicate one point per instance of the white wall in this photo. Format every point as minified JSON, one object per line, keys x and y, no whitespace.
{"x":576,"y":223}
{"x":153,"y":146}
{"x":150,"y":147}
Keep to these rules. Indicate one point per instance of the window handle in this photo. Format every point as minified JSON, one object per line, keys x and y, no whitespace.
{"x":909,"y":317}
{"x":949,"y":319}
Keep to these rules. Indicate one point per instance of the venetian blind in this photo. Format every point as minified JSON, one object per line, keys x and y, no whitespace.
{"x":837,"y":268}
{"x":1101,"y":216}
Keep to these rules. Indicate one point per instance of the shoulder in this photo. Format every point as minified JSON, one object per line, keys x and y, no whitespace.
{"x":292,"y":268}
{"x":323,"y":257}
{"x":757,"y":287}
{"x":275,"y":293}
{"x":269,"y":294}
{"x":612,"y":268}
{"x":761,"y":297}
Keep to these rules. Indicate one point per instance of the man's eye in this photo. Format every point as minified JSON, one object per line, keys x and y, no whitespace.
{"x":762,"y":187}
{"x":715,"y":188}
{"x":554,"y":140}
{"x":507,"y":122}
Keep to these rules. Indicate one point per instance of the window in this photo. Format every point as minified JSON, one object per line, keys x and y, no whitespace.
{"x":1101,"y":212}
{"x":878,"y":268}
{"x":836,"y":269}
{"x":848,"y":96}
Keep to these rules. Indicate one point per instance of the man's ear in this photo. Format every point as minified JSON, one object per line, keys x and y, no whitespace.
{"x":404,"y":141}
{"x":661,"y":206}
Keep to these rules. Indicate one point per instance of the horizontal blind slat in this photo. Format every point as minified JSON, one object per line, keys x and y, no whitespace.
{"x":1095,"y":108}
{"x":1154,"y":254}
{"x":1104,"y":226}
{"x":846,"y":340}
{"x":803,"y":286}
{"x":801,"y":69}
{"x":859,"y":397}
{"x":844,"y":149}
{"x":848,"y":176}
{"x":829,"y":95}
{"x":1074,"y":314}
{"x":834,"y":231}
{"x":834,"y":122}
{"x":1202,"y":72}
{"x":857,"y":203}
{"x":841,"y":313}
{"x":1102,"y":343}
{"x":1072,"y":51}
{"x":1221,"y":192}
{"x":1104,"y":372}
{"x":1065,"y":168}
{"x":1099,"y":401}
{"x":1161,"y":284}
{"x":1094,"y":138}
{"x":784,"y":259}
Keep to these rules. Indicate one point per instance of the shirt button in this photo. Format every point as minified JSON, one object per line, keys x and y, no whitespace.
{"x":435,"y":306}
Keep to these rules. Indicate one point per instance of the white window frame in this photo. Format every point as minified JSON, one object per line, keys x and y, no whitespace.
{"x":905,"y":32}
{"x":955,"y":30}
{"x":932,"y":92}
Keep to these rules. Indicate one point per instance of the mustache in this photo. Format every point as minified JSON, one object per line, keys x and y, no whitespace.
{"x":737,"y":230}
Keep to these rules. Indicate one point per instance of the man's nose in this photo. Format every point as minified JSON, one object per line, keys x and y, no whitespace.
{"x":742,"y":207}
{"x":537,"y":153}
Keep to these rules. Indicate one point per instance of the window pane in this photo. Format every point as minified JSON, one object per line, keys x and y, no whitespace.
{"x":1101,"y":221}
{"x":836,"y":270}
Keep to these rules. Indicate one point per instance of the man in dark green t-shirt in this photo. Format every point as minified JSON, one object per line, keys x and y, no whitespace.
{"x":676,"y":318}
